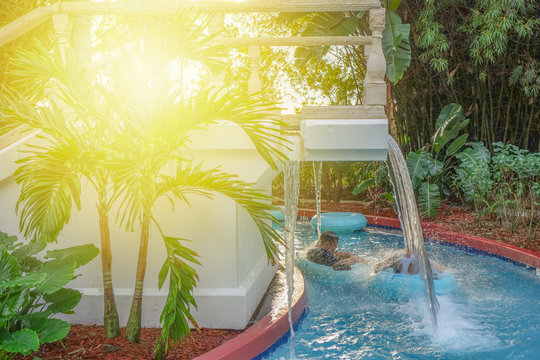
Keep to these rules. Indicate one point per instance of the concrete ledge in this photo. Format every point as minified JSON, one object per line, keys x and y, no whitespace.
{"x":266,"y":332}
{"x":344,"y":139}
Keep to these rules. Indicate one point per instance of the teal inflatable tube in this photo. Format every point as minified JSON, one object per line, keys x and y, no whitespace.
{"x":279,"y":215}
{"x":340,"y":222}
{"x":385,"y":283}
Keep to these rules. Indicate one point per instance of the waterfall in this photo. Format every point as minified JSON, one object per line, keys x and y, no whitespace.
{"x":317,"y":176}
{"x":292,"y":186}
{"x":410,"y":221}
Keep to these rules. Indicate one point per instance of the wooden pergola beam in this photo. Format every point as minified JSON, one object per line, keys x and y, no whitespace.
{"x":38,"y":16}
{"x":224,"y":6}
{"x":26,"y":23}
{"x":295,"y":41}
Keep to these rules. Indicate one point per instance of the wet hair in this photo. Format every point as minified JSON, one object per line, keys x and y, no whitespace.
{"x":328,"y":237}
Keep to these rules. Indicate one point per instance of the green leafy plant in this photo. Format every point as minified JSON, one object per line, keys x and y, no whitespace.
{"x":73,"y":147}
{"x":473,"y":178}
{"x":430,"y":167}
{"x":483,"y":55}
{"x":32,"y":291}
{"x":395,"y":42}
{"x":373,"y":179}
{"x":505,"y":185}
{"x":126,"y":139}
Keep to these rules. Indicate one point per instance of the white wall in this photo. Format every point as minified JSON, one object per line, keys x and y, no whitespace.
{"x":234,"y":274}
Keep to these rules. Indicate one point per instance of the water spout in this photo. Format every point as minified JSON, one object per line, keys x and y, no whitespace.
{"x":292,"y":187}
{"x":410,"y":221}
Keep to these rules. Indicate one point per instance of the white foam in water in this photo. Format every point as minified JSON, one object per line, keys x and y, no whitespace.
{"x":460,"y":327}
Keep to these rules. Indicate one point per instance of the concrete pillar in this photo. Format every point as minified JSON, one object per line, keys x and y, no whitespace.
{"x":254,"y":82}
{"x":62,"y":26}
{"x":374,"y":85}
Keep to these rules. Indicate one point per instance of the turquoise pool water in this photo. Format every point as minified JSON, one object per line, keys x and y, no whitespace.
{"x":494,"y":313}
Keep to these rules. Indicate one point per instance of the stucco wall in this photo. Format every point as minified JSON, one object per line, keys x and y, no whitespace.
{"x":234,"y":273}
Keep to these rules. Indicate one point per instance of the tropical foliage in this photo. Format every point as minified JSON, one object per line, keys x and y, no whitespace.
{"x":480,"y":54}
{"x":127,"y":135}
{"x":373,"y":179}
{"x":73,"y":147}
{"x":430,"y":168}
{"x":32,"y":291}
{"x":505,"y":185}
{"x":395,"y":41}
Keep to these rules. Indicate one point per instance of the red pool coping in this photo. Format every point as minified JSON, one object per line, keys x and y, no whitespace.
{"x":262,"y":335}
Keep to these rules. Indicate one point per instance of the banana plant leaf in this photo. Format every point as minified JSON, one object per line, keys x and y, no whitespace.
{"x":396,"y":46}
{"x":450,"y":122}
{"x":429,"y":199}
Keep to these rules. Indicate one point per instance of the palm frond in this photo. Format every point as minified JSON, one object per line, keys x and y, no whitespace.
{"x":193,"y":179}
{"x":49,"y":181}
{"x":176,"y":316}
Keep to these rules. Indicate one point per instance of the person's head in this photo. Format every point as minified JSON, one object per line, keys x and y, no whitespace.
{"x":329,"y":240}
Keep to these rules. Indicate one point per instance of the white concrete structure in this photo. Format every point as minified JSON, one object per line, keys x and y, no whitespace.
{"x":235,"y":272}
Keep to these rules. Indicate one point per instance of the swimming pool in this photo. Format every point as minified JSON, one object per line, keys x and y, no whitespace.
{"x":494,"y":313}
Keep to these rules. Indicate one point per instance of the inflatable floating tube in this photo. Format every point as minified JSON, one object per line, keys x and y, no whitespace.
{"x":340,"y":222}
{"x":385,"y":283}
{"x":279,"y":215}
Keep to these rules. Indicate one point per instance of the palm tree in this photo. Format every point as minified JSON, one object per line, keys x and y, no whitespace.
{"x":158,"y":117}
{"x":75,"y":135}
{"x":120,"y":137}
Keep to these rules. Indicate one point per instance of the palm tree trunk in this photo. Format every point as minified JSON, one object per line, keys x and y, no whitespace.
{"x":133,"y":327}
{"x":110,"y":313}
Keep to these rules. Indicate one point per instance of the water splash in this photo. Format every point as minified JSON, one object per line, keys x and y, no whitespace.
{"x":461,"y":327}
{"x":410,"y":222}
{"x":292,"y":188}
{"x":317,"y":176}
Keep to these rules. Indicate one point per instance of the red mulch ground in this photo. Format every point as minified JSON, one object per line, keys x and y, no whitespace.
{"x":89,"y":342}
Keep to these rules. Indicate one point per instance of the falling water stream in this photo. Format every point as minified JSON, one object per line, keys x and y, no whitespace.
{"x":292,"y":187}
{"x":407,"y":212}
{"x":317,"y":176}
{"x":410,"y":221}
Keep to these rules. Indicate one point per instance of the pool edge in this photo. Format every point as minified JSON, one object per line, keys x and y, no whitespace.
{"x":262,"y":335}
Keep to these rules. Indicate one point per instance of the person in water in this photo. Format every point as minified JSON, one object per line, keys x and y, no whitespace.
{"x":405,"y":262}
{"x":324,"y":253}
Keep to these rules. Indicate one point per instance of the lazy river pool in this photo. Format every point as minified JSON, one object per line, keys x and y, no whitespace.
{"x":493,"y":314}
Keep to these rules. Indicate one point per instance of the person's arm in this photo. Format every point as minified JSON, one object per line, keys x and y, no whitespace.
{"x":340,"y":255}
{"x":386,"y":263}
{"x":351,"y":260}
{"x":435,"y":265}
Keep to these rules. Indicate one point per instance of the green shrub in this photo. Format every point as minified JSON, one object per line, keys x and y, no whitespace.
{"x":32,"y":291}
{"x":505,"y":185}
{"x":374,"y":181}
{"x":430,"y":168}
